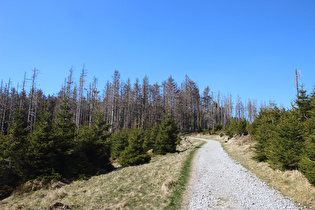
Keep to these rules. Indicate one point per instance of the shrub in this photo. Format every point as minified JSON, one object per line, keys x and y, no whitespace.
{"x":119,"y":141}
{"x":134,"y":153}
{"x":307,"y":167}
{"x":218,"y":127}
{"x":230,"y":134}
{"x":9,"y":179}
{"x":205,"y":132}
{"x":150,"y":136}
{"x":263,"y":130}
{"x":199,"y":130}
{"x":286,"y":146}
{"x":129,"y":159}
{"x":237,"y":127}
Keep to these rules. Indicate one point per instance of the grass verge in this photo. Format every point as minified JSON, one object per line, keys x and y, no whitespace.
{"x":176,"y":197}
{"x":155,"y":185}
{"x":292,"y":184}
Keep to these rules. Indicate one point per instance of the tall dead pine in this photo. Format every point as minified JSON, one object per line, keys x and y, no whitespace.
{"x":80,"y":97}
{"x":32,"y":108}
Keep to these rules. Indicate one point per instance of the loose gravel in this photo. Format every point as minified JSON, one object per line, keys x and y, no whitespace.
{"x":219,"y":182}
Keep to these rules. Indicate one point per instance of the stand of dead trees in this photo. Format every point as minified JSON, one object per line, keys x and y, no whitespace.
{"x":126,"y":105}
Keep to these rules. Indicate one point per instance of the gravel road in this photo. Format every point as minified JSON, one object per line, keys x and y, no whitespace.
{"x":219,"y":182}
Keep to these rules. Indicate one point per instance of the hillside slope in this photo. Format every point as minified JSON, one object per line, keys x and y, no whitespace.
{"x":147,"y":186}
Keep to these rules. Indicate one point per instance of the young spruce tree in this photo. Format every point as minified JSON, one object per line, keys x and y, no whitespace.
{"x":92,"y":150}
{"x":307,"y":163}
{"x":167,"y":138}
{"x":63,"y":133}
{"x":41,"y":153}
{"x":134,"y":153}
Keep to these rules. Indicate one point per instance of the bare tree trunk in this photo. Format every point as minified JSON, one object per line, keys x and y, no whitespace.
{"x":5,"y":104}
{"x":93,"y":99}
{"x":297,"y":83}
{"x":219,"y":108}
{"x":156,"y":104}
{"x":23,"y":94}
{"x":80,"y":97}
{"x":136,"y":104}
{"x":2,"y":96}
{"x":69,"y":83}
{"x":126,"y":102}
{"x":32,"y":103}
{"x":115,"y":96}
{"x":230,"y":107}
{"x":145,"y":101}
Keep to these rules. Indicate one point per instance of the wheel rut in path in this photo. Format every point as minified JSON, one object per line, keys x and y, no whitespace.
{"x":219,"y":182}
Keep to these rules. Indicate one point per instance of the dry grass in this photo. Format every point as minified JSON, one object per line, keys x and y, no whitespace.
{"x":147,"y":186}
{"x":292,"y":184}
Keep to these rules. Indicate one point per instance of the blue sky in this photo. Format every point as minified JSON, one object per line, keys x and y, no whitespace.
{"x":245,"y":48}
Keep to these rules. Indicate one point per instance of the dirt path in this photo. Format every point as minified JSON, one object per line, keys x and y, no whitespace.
{"x":219,"y":182}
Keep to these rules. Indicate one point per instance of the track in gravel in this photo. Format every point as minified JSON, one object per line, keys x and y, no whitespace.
{"x":219,"y":182}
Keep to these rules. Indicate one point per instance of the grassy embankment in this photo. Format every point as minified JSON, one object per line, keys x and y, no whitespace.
{"x":156,"y":185}
{"x":292,"y":184}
